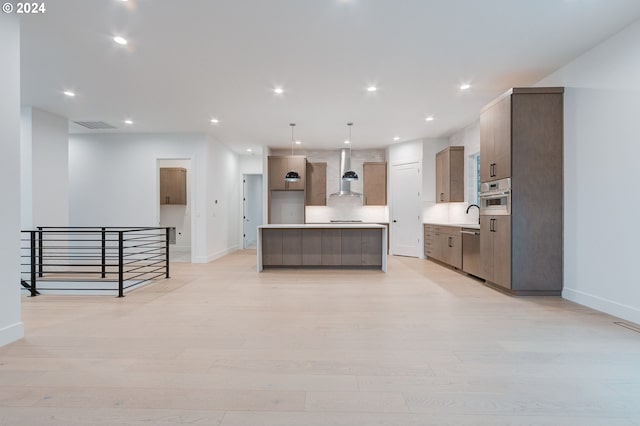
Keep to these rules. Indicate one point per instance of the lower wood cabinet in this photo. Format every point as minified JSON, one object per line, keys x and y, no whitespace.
{"x":443,"y":243}
{"x":322,"y":247}
{"x":495,"y":249}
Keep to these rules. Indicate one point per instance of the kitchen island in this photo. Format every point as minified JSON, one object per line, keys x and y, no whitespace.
{"x":350,"y":245}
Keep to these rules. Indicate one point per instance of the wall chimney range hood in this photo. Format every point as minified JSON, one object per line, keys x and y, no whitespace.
{"x":345,"y":185}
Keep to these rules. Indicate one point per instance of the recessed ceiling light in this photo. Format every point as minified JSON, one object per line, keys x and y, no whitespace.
{"x":120,"y":40}
{"x":429,"y":118}
{"x":298,"y":142}
{"x":128,"y":121}
{"x":278,"y":90}
{"x":465,"y":86}
{"x":396,"y":138}
{"x":372,"y":89}
{"x":347,"y":142}
{"x":249,"y":150}
{"x":214,"y":121}
{"x":69,"y":93}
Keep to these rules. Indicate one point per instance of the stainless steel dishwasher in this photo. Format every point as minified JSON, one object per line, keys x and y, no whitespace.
{"x":471,"y":251}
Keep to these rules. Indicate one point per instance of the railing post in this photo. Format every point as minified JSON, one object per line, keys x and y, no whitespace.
{"x":166,"y":259}
{"x":120,"y":264}
{"x":40,"y":239}
{"x":104,"y":254}
{"x":34,"y":293}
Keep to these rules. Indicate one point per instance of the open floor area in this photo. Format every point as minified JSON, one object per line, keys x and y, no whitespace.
{"x":220,"y":344}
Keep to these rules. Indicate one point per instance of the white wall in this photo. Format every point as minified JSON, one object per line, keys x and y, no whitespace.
{"x":250,"y":164}
{"x":11,"y":327}
{"x":222,"y":201}
{"x":602,"y":152}
{"x":178,"y":215}
{"x":114,"y":181}
{"x":44,"y":164}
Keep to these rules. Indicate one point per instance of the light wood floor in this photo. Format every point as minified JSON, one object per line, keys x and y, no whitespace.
{"x":220,"y":344}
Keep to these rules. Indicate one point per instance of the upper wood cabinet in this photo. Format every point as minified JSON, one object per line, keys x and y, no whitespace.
{"x":495,"y":141}
{"x":278,"y":168}
{"x":375,"y":183}
{"x":316,"y":193}
{"x":173,"y":185}
{"x":450,"y":175}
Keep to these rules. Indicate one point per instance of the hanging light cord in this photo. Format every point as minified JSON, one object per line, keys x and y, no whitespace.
{"x":292,"y":126}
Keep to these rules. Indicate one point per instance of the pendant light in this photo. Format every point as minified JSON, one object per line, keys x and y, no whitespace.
{"x":292,"y":175}
{"x":349,"y":175}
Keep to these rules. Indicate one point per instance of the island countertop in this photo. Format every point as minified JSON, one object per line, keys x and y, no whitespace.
{"x":324,"y":226}
{"x":332,"y":245}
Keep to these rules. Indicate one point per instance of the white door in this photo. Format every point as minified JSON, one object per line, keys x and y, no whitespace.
{"x":251,"y":208}
{"x":406,"y":226}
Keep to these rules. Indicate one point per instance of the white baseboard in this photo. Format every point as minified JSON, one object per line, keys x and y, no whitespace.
{"x":610,"y":307}
{"x":213,"y":256}
{"x":11,"y":333}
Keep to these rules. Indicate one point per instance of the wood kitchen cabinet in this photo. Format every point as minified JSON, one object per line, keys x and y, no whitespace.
{"x":495,"y":249}
{"x":375,"y":183}
{"x":443,"y":243}
{"x":450,"y":175}
{"x":173,"y":185}
{"x":495,"y":141}
{"x":521,"y":137}
{"x":278,"y":168}
{"x":316,"y":192}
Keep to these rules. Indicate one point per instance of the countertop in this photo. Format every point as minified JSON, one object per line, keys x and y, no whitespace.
{"x":457,"y":225}
{"x":324,"y":226}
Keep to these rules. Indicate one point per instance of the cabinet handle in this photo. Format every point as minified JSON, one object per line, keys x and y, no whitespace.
{"x":450,"y":242}
{"x":442,"y":196}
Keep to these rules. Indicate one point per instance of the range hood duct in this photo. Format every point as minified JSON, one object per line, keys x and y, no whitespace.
{"x":345,"y":186}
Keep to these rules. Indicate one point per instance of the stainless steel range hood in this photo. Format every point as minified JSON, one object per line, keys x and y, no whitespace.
{"x":345,"y":186}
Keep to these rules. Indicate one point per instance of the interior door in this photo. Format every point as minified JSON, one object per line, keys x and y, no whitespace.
{"x":251,"y":208}
{"x":406,"y":226}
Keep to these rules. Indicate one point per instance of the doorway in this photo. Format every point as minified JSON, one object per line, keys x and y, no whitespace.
{"x":176,"y":213}
{"x":406,"y":226}
{"x":251,"y":209}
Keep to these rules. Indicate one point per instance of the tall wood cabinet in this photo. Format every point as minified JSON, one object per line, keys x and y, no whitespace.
{"x":375,"y":183}
{"x":278,"y":168}
{"x":173,"y":185}
{"x":450,"y":175}
{"x":316,"y":192}
{"x":521,"y":137}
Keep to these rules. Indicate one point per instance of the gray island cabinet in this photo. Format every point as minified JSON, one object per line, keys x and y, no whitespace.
{"x":322,"y":245}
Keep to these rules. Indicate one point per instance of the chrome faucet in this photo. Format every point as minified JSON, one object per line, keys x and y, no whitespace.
{"x":474,"y":205}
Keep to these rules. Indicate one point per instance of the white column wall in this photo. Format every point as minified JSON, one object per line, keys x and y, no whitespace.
{"x":224,"y":216}
{"x":602,"y":151}
{"x":114,"y":179}
{"x":11,"y":327}
{"x":44,"y":169}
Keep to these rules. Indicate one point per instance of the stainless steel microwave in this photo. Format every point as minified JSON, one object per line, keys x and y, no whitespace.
{"x":495,"y":197}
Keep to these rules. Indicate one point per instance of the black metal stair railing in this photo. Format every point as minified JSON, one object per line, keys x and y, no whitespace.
{"x":91,"y":256}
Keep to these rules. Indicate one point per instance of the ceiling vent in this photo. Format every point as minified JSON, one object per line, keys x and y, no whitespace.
{"x":95,"y":125}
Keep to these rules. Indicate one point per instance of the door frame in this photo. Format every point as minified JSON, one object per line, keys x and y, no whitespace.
{"x":418,"y":208}
{"x":191,"y":194}
{"x":242,"y":213}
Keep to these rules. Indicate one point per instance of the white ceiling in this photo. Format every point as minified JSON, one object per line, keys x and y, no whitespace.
{"x":188,"y":61}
